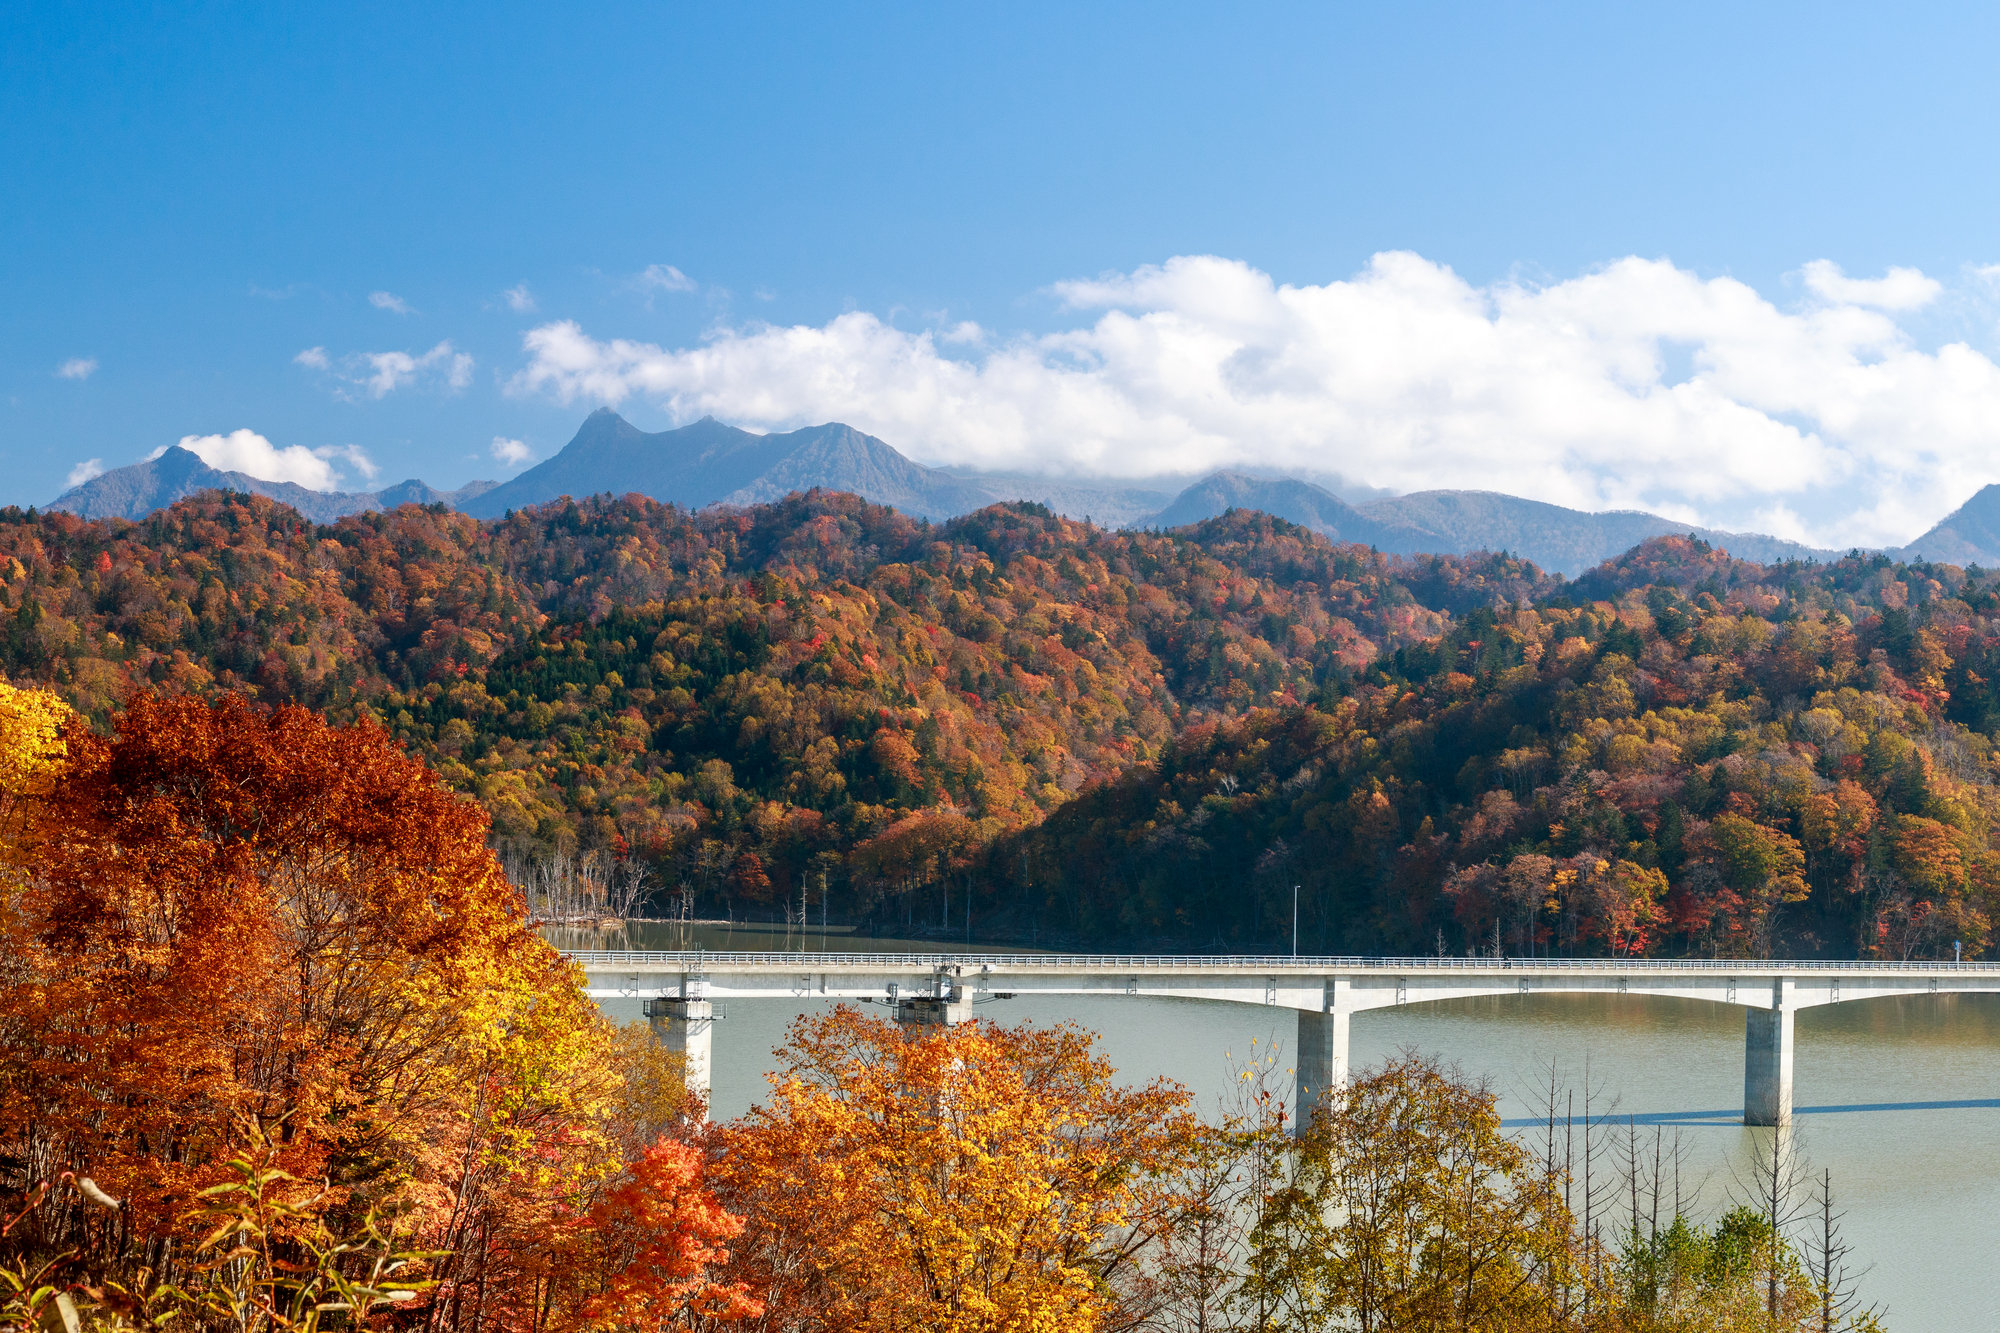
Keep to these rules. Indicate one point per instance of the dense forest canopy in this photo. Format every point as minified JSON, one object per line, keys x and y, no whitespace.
{"x":1107,"y":737}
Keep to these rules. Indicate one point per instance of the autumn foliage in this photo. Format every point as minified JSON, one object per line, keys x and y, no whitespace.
{"x":981,"y":1179}
{"x":231,"y":935}
{"x":1087,"y":736}
{"x":278,"y":1050}
{"x":662,"y":1234}
{"x":975,"y":1178}
{"x":1792,"y":762}
{"x":1408,"y":1208}
{"x":758,"y":702}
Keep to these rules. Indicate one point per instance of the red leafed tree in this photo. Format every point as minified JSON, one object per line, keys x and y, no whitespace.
{"x":664,"y":1231}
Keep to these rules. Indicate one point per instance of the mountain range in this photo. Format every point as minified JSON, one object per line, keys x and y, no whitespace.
{"x":709,"y":463}
{"x":136,"y":491}
{"x":1566,"y":541}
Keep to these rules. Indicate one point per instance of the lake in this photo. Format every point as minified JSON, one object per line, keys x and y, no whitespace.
{"x":1900,"y":1098}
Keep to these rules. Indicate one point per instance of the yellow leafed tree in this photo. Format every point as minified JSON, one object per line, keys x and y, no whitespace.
{"x":975,"y":1180}
{"x":32,"y":755}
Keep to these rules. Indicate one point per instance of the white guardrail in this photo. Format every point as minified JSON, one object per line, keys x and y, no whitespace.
{"x":1074,"y":962}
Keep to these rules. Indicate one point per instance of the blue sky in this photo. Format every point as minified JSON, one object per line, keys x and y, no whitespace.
{"x":969,"y":218}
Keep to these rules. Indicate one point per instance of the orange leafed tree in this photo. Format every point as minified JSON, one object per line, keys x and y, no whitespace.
{"x":223,"y":925}
{"x":237,"y":915}
{"x":664,"y":1233}
{"x":977,"y":1178}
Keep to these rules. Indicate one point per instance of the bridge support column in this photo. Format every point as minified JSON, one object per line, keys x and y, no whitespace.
{"x":1320,"y":1064}
{"x":921,"y":1012}
{"x":687,"y":1028}
{"x":946,"y":1006}
{"x":1767,"y":1059}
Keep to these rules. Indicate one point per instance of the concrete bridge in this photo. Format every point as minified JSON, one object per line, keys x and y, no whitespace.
{"x":680,"y":990}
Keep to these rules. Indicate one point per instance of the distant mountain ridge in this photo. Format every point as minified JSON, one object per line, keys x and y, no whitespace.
{"x":136,"y":491}
{"x":1968,"y":535}
{"x":1564,"y":541}
{"x":1288,"y":498}
{"x":709,"y":462}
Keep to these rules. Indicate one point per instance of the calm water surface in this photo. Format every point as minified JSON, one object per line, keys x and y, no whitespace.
{"x":1901,"y":1098}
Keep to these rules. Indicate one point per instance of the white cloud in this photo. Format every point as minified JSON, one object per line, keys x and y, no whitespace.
{"x":389,"y":371}
{"x":84,"y":471}
{"x":511,"y":453}
{"x":663,"y":278}
{"x":379,"y":374}
{"x":1900,"y":289}
{"x":248,"y":452}
{"x":391,"y":302}
{"x":519,"y":299}
{"x":77,"y":368}
{"x":1637,"y":384}
{"x":1778,"y":520}
{"x":353,"y":454}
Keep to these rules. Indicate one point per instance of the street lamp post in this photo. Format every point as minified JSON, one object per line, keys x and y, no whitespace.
{"x":1295,"y":921}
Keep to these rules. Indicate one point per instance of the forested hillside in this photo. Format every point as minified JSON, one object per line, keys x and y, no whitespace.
{"x":1685,"y":754}
{"x":756,"y":702}
{"x":1092,"y":737}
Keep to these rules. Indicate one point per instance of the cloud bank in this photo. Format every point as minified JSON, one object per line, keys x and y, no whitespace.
{"x":77,"y":368}
{"x":248,"y":452}
{"x":1639,"y":384}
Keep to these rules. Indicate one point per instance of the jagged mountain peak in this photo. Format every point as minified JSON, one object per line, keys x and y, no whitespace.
{"x":709,"y":462}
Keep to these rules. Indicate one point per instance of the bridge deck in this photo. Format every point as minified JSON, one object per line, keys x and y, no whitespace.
{"x":1308,"y":984}
{"x":1325,"y":991}
{"x":760,"y":960}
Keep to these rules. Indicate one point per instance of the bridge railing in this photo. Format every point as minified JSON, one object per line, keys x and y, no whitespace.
{"x":1076,"y":962}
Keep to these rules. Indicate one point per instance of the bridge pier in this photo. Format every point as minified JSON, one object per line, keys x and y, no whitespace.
{"x":929,"y":1011}
{"x":685,"y":1025}
{"x":1767,"y":1058}
{"x":947,"y":1005}
{"x":1320,"y":1064}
